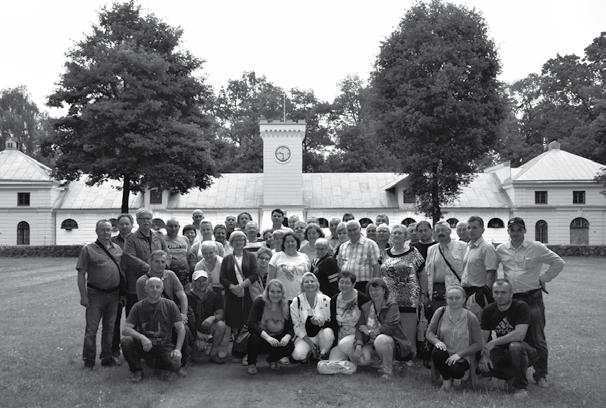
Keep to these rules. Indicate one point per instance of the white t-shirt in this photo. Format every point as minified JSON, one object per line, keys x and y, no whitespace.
{"x":289,"y":270}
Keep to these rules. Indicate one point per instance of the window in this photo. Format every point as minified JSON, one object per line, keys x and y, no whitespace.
{"x":452,"y":222}
{"x":365,"y":221}
{"x":496,"y":223}
{"x":155,"y":196}
{"x":69,"y":224}
{"x":23,"y":233}
{"x":540,"y":197}
{"x":578,"y":197}
{"x":408,"y":197}
{"x":23,"y":199}
{"x":408,"y":221}
{"x":579,"y":231}
{"x":540,"y":231}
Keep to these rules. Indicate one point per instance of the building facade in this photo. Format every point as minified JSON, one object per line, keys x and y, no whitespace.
{"x":555,"y":193}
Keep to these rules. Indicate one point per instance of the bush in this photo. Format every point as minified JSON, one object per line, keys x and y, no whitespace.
{"x":57,"y":251}
{"x":579,"y":250}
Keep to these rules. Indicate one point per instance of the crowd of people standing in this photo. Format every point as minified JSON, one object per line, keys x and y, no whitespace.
{"x":397,"y":293}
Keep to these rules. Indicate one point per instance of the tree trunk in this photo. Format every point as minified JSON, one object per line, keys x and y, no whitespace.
{"x":125,"y":194}
{"x":436,"y":211}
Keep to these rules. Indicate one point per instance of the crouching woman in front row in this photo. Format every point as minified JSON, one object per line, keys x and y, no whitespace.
{"x":270,"y":327}
{"x":310,"y":312}
{"x":379,"y":335}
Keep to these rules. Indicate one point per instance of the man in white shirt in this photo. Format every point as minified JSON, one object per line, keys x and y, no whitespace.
{"x":444,"y":264}
{"x":523,"y":262}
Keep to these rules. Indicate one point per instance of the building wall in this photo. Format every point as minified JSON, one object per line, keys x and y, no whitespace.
{"x":558,"y":221}
{"x":559,"y":195}
{"x":41,"y":225}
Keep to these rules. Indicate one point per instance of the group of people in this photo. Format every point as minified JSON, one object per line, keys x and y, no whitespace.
{"x":297,"y":295}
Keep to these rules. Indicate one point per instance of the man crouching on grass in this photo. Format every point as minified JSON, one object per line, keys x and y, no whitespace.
{"x":148,"y":333}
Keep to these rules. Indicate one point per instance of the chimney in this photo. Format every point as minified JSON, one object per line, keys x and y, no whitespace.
{"x":554,"y":145}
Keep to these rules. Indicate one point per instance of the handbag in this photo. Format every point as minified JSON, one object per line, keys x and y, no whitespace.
{"x":240,"y":346}
{"x":424,"y":352}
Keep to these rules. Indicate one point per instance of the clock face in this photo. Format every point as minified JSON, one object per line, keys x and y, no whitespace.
{"x":282,"y":154}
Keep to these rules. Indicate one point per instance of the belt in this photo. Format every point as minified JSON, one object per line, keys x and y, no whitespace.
{"x":110,"y":290}
{"x":529,"y":293}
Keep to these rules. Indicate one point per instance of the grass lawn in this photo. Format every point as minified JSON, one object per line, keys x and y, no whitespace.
{"x":42,"y":326}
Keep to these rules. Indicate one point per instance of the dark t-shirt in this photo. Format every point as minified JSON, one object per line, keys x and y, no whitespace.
{"x":505,"y":322}
{"x":423,"y":248}
{"x":155,"y":320}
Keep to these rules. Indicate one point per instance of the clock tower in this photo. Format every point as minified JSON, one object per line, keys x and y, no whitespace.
{"x":283,"y":165}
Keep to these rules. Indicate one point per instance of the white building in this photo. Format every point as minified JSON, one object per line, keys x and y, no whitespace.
{"x":555,"y":193}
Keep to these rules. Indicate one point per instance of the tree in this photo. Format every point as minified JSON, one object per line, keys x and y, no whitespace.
{"x":243,"y":102}
{"x":357,"y":148}
{"x":437,"y":101}
{"x":135,"y":108}
{"x":565,"y":102}
{"x":21,"y":120}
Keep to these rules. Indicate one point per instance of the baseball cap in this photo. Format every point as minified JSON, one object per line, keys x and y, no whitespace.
{"x":516,"y":221}
{"x":199,"y":274}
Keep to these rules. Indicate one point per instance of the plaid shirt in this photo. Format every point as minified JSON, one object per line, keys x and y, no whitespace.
{"x":360,"y":258}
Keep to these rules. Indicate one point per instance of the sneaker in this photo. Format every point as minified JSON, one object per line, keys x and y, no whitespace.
{"x":89,"y":365}
{"x":216,"y":359}
{"x":387,"y":376}
{"x":252,"y":369}
{"x":284,"y":361}
{"x":520,"y":393}
{"x":245,"y":360}
{"x":446,"y":385}
{"x":136,"y":377}
{"x":542,"y":382}
{"x":108,"y":362}
{"x":182,"y":372}
{"x":274,"y":365}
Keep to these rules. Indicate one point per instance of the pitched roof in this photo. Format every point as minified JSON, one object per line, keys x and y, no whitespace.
{"x":483,"y":192}
{"x":17,"y":166}
{"x":232,"y":190}
{"x":77,"y":195}
{"x":557,"y":165}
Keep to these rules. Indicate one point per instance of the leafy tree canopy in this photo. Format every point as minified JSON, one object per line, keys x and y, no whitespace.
{"x":135,"y":108}
{"x":565,"y":102}
{"x":436,"y":99}
{"x":21,"y":120}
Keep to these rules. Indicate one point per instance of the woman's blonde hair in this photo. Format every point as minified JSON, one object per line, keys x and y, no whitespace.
{"x":283,"y":301}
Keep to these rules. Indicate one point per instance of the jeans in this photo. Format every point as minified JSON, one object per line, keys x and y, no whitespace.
{"x":536,"y":330}
{"x":117,"y":331}
{"x":456,"y":371}
{"x":512,"y":361}
{"x":157,"y":357}
{"x":257,"y":345}
{"x":103,"y":307}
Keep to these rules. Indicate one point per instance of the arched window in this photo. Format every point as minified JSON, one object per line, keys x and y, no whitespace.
{"x":579,"y":231}
{"x":69,"y":224}
{"x":158,"y":224}
{"x":540,"y":231}
{"x":452,"y":222}
{"x":23,"y":233}
{"x":408,"y":221}
{"x":365,"y":221}
{"x":496,"y":223}
{"x":323,"y":222}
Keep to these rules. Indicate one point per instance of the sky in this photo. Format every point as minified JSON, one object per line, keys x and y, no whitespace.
{"x":309,"y":45}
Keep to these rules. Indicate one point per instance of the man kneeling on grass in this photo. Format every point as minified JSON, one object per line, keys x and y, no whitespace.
{"x":210,"y":335}
{"x":148,"y":333}
{"x":508,"y":356}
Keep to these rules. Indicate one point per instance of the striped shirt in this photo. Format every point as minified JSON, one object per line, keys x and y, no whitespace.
{"x":361,"y":258}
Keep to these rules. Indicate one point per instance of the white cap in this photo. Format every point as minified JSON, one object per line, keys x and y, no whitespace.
{"x":199,"y":274}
